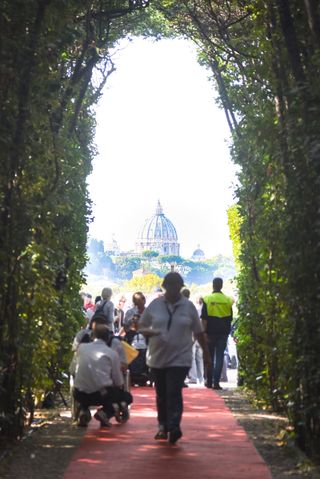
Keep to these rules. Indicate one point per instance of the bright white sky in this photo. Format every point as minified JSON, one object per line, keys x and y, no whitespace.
{"x":161,"y":136}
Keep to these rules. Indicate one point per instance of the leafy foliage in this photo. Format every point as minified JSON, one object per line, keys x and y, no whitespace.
{"x":264,"y":58}
{"x":146,"y":283}
{"x":49,"y":51}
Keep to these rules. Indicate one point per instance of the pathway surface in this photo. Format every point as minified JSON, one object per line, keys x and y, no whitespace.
{"x":213,"y":446}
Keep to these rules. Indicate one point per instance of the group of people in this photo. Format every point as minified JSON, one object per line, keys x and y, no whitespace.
{"x":168,"y":330}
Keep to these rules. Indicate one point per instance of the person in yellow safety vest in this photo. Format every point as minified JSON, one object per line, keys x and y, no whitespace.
{"x":216,"y":319}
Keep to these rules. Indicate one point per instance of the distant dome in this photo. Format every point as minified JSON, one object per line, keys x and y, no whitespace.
{"x":158,"y":234}
{"x":158,"y":227}
{"x":198,"y":254}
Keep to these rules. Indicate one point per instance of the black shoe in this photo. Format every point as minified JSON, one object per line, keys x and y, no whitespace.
{"x":217,"y":387}
{"x":124,"y":412}
{"x":84,"y":418}
{"x":161,"y":434}
{"x":174,"y":435}
{"x":208,"y":385}
{"x":101,"y":416}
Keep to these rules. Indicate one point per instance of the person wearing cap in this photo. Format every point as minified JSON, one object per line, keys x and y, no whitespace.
{"x":169,"y":322}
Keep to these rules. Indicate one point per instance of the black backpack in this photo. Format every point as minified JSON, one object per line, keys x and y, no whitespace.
{"x":100,"y":307}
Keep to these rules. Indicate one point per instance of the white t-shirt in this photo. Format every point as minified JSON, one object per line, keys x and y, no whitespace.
{"x":96,"y":366}
{"x":173,"y":346}
{"x":116,"y":344}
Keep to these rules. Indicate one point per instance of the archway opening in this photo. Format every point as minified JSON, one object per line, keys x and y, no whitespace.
{"x":161,"y":136}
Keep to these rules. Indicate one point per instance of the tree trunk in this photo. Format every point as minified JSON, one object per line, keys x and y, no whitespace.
{"x":313,"y":20}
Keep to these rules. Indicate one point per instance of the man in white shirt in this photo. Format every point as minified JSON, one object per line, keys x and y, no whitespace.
{"x":85,"y":335}
{"x":98,"y":379}
{"x":170,"y":322}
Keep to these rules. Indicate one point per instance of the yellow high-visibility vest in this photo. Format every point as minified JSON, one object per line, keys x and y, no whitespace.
{"x":218,"y":305}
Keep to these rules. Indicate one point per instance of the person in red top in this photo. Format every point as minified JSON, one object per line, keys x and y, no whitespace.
{"x":89,"y":304}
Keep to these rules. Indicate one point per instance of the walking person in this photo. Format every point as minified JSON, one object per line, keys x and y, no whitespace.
{"x":216,"y":319}
{"x":169,"y":322}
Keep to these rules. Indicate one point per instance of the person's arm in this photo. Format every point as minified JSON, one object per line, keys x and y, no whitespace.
{"x":202,"y":340}
{"x":116,"y":345}
{"x":122,"y":332}
{"x":73,"y":365}
{"x":200,"y":335}
{"x":111,"y":313}
{"x":116,"y":374}
{"x":83,"y":336}
{"x":204,"y":317}
{"x":145,"y":325}
{"x":128,"y":319}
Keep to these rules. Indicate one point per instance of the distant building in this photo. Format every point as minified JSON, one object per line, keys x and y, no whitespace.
{"x":198,"y":254}
{"x":112,"y":247}
{"x":158,"y":234}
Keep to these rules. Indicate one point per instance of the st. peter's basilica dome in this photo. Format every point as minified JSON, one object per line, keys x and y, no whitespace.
{"x":158,"y":234}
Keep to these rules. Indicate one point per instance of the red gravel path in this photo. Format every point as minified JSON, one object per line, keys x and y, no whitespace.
{"x":213,"y":446}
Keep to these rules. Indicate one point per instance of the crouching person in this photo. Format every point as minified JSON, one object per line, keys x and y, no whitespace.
{"x":98,"y":380}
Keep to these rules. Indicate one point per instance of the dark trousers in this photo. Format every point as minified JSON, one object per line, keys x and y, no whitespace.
{"x":217,"y":344}
{"x":169,"y":384}
{"x":113,"y":395}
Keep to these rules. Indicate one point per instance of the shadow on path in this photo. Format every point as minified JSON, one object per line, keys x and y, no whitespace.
{"x":214,"y":445}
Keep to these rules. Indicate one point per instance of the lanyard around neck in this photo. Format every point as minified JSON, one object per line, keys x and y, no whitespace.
{"x":170,"y":313}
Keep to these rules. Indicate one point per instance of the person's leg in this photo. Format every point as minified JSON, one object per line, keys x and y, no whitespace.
{"x":159,"y":377}
{"x":221,"y":342}
{"x":210,"y":368}
{"x":84,"y":400}
{"x":175,"y":377}
{"x":105,"y":412}
{"x":116,"y":404}
{"x":199,"y":362}
{"x":125,"y":400}
{"x":192,"y":374}
{"x":224,"y":376}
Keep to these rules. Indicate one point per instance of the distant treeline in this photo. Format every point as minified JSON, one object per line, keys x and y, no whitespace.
{"x":119,"y":267}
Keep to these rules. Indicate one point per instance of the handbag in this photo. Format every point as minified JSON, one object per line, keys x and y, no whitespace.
{"x":130,"y":352}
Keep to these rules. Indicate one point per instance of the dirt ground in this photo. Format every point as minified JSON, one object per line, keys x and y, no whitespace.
{"x":47,"y":450}
{"x":266,"y":430}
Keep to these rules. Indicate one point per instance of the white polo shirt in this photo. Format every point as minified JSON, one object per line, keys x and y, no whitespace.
{"x":96,"y":366}
{"x":173,"y":346}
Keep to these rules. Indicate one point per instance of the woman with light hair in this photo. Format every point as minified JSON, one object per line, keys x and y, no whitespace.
{"x":106,"y":293}
{"x":106,"y":307}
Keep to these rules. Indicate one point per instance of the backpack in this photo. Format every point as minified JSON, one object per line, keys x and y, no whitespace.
{"x":100,"y":306}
